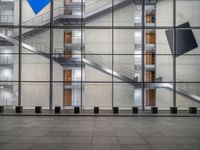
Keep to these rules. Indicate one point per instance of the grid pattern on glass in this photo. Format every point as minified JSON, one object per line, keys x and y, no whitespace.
{"x":76,"y":51}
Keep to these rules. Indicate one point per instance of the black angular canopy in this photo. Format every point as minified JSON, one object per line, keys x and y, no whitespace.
{"x":185,"y":40}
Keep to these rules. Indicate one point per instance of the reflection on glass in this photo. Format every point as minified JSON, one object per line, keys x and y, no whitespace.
{"x":97,"y":53}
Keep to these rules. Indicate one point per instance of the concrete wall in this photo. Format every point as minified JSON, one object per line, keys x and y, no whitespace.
{"x":28,"y":12}
{"x":99,"y":41}
{"x":36,"y":67}
{"x":187,"y":69}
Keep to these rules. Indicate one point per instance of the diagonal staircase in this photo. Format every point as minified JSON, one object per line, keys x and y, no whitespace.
{"x":42,"y":49}
{"x":59,"y":16}
{"x":125,"y":75}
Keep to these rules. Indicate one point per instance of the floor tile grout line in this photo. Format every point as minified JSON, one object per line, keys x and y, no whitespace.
{"x":145,"y":140}
{"x":115,"y":134}
{"x":93,"y":127}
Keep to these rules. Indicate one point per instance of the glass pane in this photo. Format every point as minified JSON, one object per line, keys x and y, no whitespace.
{"x":68,"y":12}
{"x":9,"y":12}
{"x":188,"y":95}
{"x":36,"y":43}
{"x":95,"y":14}
{"x":35,"y":68}
{"x":164,"y":13}
{"x":127,"y":41}
{"x":126,"y":95}
{"x":35,"y":94}
{"x":97,"y":94}
{"x":8,"y":41}
{"x":162,"y":97}
{"x":67,"y":95}
{"x":163,"y":68}
{"x":98,"y":41}
{"x":124,"y":68}
{"x":97,"y":68}
{"x":120,"y":13}
{"x":8,"y":94}
{"x":35,"y":17}
{"x":191,"y":15}
{"x":187,"y":68}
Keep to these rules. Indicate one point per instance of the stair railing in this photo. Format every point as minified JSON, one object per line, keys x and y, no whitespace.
{"x":5,"y":60}
{"x":6,"y":18}
{"x":40,"y":46}
{"x":182,"y":85}
{"x":106,"y":62}
{"x":8,"y":102}
{"x":99,"y":5}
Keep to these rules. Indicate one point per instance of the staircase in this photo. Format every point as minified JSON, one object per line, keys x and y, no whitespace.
{"x":186,"y":90}
{"x":102,"y":64}
{"x":96,"y":62}
{"x":59,"y":16}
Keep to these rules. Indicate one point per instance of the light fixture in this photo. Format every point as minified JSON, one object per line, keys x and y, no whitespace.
{"x":1,"y":87}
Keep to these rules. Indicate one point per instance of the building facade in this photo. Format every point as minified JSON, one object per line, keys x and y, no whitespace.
{"x":101,"y":53}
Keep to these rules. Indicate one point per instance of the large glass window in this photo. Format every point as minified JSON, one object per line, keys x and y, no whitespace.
{"x":102,"y":53}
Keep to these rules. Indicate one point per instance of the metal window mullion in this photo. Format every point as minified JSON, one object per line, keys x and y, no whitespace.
{"x":143,"y":63}
{"x":51,"y":59}
{"x":174,"y":53}
{"x":82,"y":67}
{"x":112,"y":53}
{"x":20,"y":53}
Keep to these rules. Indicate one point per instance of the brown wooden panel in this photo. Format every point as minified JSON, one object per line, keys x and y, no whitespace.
{"x":148,"y":76}
{"x":67,"y":97}
{"x":153,"y":76}
{"x":68,"y":54}
{"x":150,"y":38}
{"x":68,"y":76}
{"x":153,"y":58}
{"x":68,"y":37}
{"x":148,"y":57}
{"x":149,"y":18}
{"x":150,"y":97}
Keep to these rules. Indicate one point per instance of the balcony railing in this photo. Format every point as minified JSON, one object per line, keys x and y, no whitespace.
{"x":8,"y":102}
{"x":6,"y":18}
{"x":5,"y":60}
{"x":181,"y":85}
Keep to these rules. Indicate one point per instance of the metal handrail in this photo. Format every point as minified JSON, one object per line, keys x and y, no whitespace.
{"x":39,"y":20}
{"x":5,"y":79}
{"x":97,"y":2}
{"x":37,"y":44}
{"x":185,"y":87}
{"x":42,"y":46}
{"x":98,"y":59}
{"x":105,"y":3}
{"x":41,"y":17}
{"x":6,"y":18}
{"x":5,"y":60}
{"x":6,"y":47}
{"x":101,"y":60}
{"x":45,"y":18}
{"x":8,"y":102}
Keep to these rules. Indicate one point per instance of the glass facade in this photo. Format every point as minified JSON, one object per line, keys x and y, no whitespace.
{"x":101,"y":53}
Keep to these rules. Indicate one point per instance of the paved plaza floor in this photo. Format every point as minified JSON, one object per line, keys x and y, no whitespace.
{"x":99,"y":133}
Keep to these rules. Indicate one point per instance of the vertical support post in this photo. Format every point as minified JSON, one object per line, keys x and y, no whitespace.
{"x":51,"y":58}
{"x":20,"y":52}
{"x":112,"y":52}
{"x":143,"y":50}
{"x":82,"y":52}
{"x":174,"y":53}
